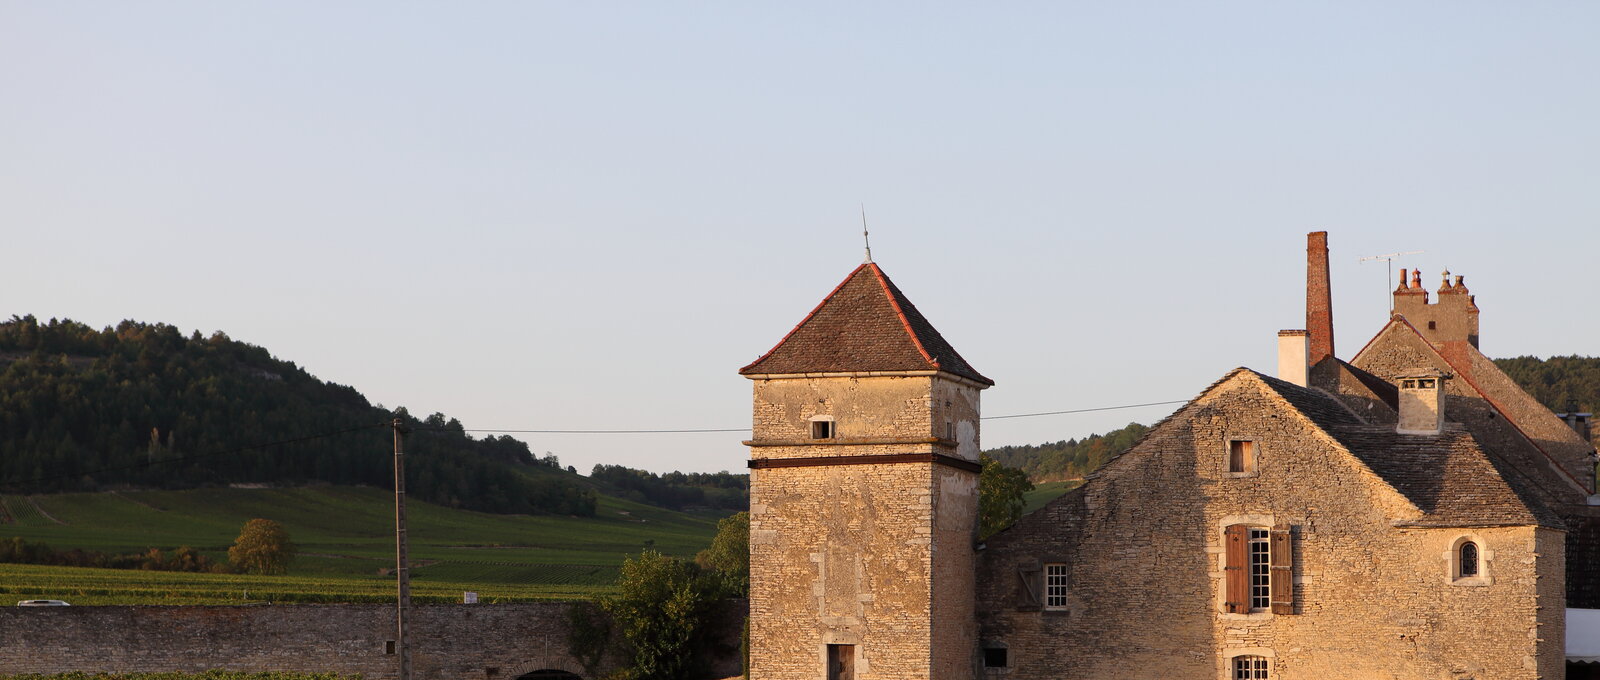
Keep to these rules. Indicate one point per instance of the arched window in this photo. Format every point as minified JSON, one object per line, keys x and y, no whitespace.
{"x":1250,"y":668}
{"x":1468,"y":560}
{"x":1471,"y":562}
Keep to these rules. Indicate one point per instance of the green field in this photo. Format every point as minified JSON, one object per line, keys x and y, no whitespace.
{"x":1045,"y":492}
{"x":345,"y":536}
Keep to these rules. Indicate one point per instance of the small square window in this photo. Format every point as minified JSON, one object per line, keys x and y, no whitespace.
{"x":822,"y":429}
{"x":1241,"y":456}
{"x":994,"y":657}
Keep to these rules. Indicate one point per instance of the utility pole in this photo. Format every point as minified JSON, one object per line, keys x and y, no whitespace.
{"x":402,"y":567}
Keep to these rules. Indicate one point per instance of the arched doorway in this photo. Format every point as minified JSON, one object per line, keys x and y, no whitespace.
{"x":549,"y":674}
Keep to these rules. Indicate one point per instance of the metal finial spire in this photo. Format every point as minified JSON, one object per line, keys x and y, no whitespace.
{"x":864,"y":238}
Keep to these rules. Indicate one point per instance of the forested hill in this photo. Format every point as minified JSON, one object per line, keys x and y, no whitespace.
{"x":1557,"y":380}
{"x":1068,"y":459}
{"x":143,"y":405}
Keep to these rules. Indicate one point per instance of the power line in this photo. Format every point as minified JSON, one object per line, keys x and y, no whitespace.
{"x":1086,"y":410}
{"x":296,"y":440}
{"x":746,"y":429}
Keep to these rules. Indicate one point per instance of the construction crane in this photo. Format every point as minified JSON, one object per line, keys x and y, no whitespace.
{"x":1389,"y":280}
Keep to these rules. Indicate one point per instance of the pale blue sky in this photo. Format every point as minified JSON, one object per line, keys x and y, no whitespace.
{"x":586,"y":215}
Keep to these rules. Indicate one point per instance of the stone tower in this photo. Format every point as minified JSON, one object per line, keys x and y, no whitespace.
{"x":863,"y":494}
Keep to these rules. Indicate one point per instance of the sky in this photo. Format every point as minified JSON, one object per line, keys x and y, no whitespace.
{"x":560,"y":215}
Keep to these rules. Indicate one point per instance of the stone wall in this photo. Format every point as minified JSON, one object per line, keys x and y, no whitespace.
{"x":1143,"y":546}
{"x":877,"y":556}
{"x":449,"y":642}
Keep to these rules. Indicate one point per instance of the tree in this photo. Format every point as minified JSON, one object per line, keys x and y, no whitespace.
{"x":729,"y":555}
{"x":661,"y":607}
{"x":262,"y":547}
{"x":1000,"y":496}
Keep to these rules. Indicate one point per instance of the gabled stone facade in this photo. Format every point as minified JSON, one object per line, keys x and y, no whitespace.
{"x":1369,"y":561}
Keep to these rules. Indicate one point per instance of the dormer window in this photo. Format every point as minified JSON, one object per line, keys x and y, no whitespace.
{"x":822,"y":427}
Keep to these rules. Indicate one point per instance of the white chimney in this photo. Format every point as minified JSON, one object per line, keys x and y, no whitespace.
{"x":1293,"y":347}
{"x":1421,"y":402}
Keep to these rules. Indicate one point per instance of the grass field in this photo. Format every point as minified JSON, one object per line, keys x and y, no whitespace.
{"x":345,"y":536}
{"x":1045,"y":492}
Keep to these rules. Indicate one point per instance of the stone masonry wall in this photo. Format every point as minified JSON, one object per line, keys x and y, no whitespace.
{"x":448,"y":642}
{"x":878,"y":556}
{"x":1142,"y":542}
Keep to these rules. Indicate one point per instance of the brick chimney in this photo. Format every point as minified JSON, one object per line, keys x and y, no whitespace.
{"x":1292,"y":364}
{"x":1421,"y":401}
{"x":1454,"y":318}
{"x":1319,"y":299}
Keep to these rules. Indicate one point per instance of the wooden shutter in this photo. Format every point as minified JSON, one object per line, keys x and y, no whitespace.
{"x":1030,"y":585}
{"x":1236,"y":571}
{"x":1282,"y":561}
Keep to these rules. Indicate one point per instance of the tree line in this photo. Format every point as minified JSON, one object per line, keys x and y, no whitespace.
{"x":1557,"y":382}
{"x":1068,"y":458}
{"x":676,"y":490}
{"x":144,"y":405}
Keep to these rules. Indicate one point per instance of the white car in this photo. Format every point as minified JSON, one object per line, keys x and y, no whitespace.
{"x":43,"y":603}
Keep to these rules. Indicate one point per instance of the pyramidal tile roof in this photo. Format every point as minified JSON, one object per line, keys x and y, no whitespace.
{"x":865,"y":324}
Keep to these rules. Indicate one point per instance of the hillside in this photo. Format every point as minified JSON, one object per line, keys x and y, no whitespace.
{"x":1557,"y":380}
{"x":143,"y":406}
{"x":1068,"y":459}
{"x":346,"y":540}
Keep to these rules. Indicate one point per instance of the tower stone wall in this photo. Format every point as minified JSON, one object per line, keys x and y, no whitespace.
{"x":865,"y":538}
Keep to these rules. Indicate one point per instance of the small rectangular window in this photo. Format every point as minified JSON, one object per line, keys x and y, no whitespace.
{"x":1241,"y":456}
{"x":388,"y":646}
{"x":994,"y":657}
{"x":1055,"y":586}
{"x":822,"y":429}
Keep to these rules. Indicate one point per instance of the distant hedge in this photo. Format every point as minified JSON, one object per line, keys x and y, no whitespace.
{"x":208,"y":675}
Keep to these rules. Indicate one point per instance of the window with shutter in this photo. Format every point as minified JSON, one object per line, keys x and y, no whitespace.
{"x":1030,"y":586}
{"x":1282,"y":570}
{"x":1236,"y":576}
{"x":1258,"y":569}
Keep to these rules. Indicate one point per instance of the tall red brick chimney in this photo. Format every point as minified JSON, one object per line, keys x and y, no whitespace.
{"x":1319,"y":299}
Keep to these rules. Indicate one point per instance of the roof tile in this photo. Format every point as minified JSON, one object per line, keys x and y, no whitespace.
{"x":865,"y":324}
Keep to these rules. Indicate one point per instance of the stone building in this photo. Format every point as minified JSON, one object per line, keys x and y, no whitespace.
{"x":1404,"y":514}
{"x":863,"y":494}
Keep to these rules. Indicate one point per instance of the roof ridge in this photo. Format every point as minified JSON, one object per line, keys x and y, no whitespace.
{"x":812,"y":313}
{"x":894,"y":301}
{"x":1473,"y":383}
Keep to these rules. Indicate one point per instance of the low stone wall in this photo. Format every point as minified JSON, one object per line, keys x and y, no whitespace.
{"x":448,"y":641}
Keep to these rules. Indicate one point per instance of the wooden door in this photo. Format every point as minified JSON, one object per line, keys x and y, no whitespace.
{"x":841,"y":662}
